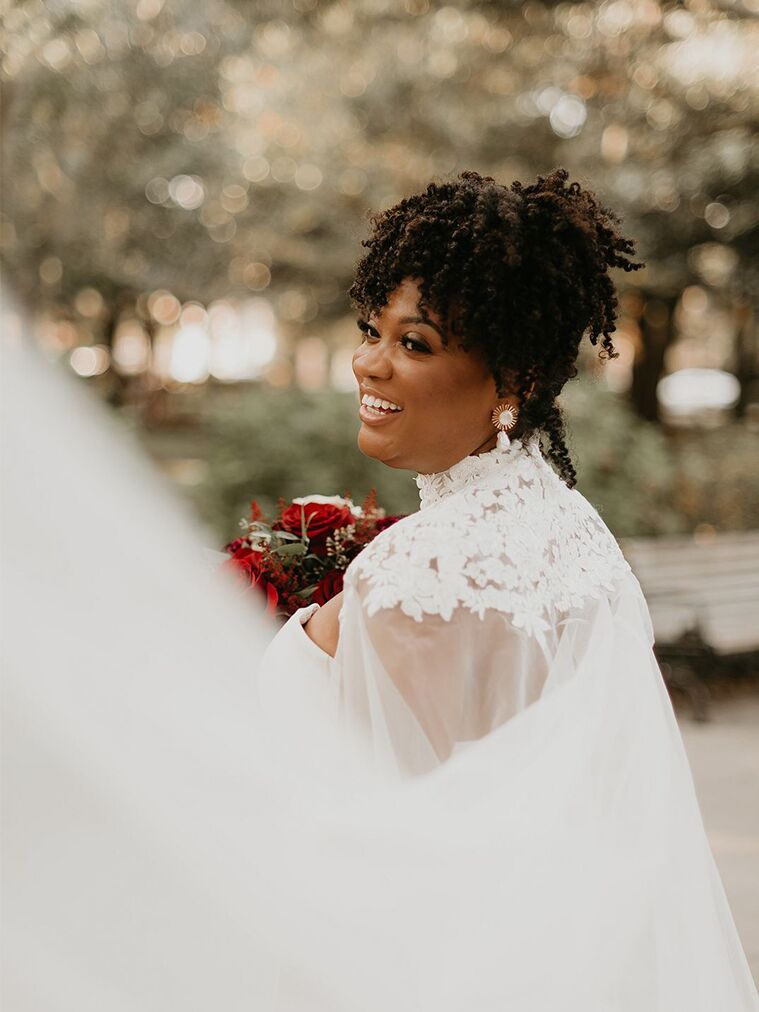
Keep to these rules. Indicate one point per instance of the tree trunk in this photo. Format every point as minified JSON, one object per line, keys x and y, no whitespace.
{"x":657,"y":330}
{"x":746,"y":358}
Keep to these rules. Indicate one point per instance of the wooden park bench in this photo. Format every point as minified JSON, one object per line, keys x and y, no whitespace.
{"x":703,"y":594}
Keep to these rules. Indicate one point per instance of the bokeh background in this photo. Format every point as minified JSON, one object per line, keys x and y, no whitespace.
{"x":187,"y":186}
{"x":185,"y":191}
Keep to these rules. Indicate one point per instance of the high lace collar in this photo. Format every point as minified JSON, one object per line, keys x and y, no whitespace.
{"x":473,"y":467}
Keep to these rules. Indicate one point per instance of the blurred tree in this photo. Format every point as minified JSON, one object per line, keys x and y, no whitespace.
{"x":108,"y":99}
{"x":715,"y":480}
{"x":223,"y":146}
{"x":625,"y":465}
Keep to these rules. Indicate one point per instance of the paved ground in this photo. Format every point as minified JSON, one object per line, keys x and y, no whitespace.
{"x":724,"y":758}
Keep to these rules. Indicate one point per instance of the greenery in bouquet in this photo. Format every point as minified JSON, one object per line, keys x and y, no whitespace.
{"x":301,"y":556}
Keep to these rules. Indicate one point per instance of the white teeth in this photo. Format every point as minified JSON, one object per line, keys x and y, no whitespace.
{"x":377,"y":402}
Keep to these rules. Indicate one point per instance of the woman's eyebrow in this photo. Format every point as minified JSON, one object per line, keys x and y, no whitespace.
{"x":418,"y":319}
{"x":421,"y":319}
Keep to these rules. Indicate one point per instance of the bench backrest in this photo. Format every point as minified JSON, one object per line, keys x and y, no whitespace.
{"x":708,"y":580}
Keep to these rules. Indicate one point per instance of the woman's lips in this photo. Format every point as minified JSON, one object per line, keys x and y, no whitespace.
{"x":375,"y":417}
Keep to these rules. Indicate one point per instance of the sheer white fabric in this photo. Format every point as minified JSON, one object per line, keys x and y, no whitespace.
{"x":508,"y":823}
{"x":461,"y":615}
{"x":495,"y":656}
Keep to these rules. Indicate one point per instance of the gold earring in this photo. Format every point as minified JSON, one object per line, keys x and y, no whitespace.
{"x":504,"y":418}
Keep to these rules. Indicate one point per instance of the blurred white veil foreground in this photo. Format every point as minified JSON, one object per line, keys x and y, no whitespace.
{"x":168,"y":847}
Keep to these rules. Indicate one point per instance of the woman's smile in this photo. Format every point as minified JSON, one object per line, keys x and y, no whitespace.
{"x":375,"y":410}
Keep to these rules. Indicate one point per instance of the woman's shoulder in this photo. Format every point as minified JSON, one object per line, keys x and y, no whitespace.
{"x":406,"y":538}
{"x":527,"y":549}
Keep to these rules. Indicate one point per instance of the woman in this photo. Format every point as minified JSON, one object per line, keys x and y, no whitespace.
{"x":509,"y":822}
{"x":497,"y":640}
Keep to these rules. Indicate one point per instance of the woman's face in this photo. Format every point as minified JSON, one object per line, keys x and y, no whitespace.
{"x":445,"y":394}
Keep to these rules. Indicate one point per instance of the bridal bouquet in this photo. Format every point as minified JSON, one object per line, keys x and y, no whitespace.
{"x":302,"y":555}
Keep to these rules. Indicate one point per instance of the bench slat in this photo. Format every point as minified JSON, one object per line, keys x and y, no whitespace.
{"x":713,"y":583}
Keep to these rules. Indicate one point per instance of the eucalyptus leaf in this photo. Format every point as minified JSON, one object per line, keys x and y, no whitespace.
{"x":297,"y":548}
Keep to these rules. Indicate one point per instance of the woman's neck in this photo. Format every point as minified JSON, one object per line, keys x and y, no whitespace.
{"x":489,"y":444}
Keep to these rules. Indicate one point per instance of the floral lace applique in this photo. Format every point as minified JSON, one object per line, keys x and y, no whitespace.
{"x":496,"y":531}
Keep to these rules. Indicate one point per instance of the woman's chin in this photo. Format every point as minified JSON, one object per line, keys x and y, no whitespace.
{"x":369,"y":444}
{"x":374,"y":444}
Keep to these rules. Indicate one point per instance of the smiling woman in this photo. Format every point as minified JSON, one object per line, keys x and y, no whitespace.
{"x":494,"y":650}
{"x":443,"y":394}
{"x":501,"y":283}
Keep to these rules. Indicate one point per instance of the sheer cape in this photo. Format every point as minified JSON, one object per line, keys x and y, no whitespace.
{"x":349,"y":837}
{"x":461,"y":616}
{"x":546,"y":850}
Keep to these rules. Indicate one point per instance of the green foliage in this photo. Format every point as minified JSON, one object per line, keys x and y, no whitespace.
{"x":263,"y":444}
{"x":295,"y":127}
{"x":625,"y":465}
{"x":717,"y":480}
{"x":644,"y":481}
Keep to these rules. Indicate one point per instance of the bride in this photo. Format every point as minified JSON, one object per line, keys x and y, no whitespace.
{"x":460,"y":786}
{"x":498,"y":640}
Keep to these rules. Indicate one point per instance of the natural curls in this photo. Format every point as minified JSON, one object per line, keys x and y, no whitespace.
{"x":521,"y":272}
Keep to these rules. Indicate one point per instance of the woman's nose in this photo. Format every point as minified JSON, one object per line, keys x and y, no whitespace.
{"x":372,"y":361}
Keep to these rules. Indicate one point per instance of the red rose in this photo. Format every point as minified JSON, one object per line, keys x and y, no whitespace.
{"x":245,"y":564}
{"x":244,"y":559}
{"x":321,"y":520}
{"x":328,"y":587}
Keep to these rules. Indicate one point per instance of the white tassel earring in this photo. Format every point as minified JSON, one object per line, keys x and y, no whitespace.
{"x":504,"y":418}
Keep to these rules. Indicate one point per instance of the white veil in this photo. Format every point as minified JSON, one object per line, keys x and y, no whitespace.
{"x":128,"y":712}
{"x":168,"y":847}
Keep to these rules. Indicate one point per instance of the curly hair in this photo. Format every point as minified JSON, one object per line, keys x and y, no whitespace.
{"x":520,"y":272}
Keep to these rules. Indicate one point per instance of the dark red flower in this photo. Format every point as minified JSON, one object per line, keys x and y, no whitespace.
{"x":243,"y":558}
{"x":245,"y":563}
{"x":272,"y":595}
{"x":321,"y":520}
{"x":233,"y":545}
{"x":384,"y":522}
{"x":328,"y":587}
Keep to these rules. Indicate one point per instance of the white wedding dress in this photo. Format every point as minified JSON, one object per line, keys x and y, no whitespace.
{"x":458,"y":617}
{"x":495,"y":655}
{"x":481,"y":803}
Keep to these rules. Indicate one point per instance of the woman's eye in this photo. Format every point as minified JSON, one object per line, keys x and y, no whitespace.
{"x":406,"y":341}
{"x":414,"y":345}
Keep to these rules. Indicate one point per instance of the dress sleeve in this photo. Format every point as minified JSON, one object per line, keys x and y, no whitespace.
{"x":424,"y":689}
{"x":292,"y":647}
{"x":295,"y":678}
{"x":461,"y":616}
{"x":457,"y":618}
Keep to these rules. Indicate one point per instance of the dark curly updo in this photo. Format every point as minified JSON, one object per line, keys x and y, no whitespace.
{"x":520,"y":271}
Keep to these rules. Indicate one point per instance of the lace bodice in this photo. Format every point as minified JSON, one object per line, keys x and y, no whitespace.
{"x":496,"y":531}
{"x":470,"y":469}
